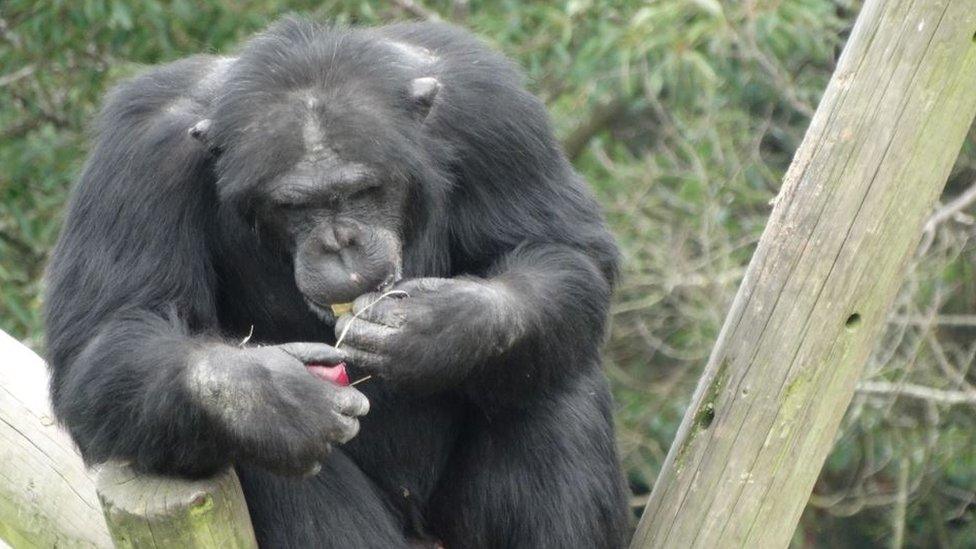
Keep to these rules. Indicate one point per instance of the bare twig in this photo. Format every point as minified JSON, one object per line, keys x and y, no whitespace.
{"x":920,"y":392}
{"x":952,"y":210}
{"x":955,"y":206}
{"x":18,"y":74}
{"x":247,"y":338}
{"x":901,"y":504}
{"x":345,"y":330}
{"x":20,"y":246}
{"x":947,"y":368}
{"x":938,"y":320}
{"x":780,"y":76}
{"x":360,"y":380}
{"x":599,"y":118}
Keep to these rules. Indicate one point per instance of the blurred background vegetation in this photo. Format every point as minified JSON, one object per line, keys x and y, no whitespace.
{"x":683,"y":114}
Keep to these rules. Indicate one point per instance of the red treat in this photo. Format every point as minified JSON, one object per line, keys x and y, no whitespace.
{"x":336,"y":373}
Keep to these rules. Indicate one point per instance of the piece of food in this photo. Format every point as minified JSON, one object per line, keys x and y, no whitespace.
{"x":340,"y":309}
{"x":336,"y":373}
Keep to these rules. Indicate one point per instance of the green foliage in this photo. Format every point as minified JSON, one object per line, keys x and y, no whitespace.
{"x":683,"y":114}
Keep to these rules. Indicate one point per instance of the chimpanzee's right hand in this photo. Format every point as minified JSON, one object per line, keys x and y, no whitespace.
{"x":276,"y":414}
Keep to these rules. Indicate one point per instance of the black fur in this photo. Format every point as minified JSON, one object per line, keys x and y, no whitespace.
{"x":491,"y":421}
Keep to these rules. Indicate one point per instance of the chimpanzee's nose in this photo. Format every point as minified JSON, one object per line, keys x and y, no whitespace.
{"x":345,"y":235}
{"x":336,"y":237}
{"x":328,"y":240}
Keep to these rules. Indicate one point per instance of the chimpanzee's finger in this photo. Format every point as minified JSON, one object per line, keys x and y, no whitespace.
{"x":364,"y":334}
{"x":313,"y":353}
{"x":379,"y":308}
{"x":365,"y":360}
{"x":349,"y":401}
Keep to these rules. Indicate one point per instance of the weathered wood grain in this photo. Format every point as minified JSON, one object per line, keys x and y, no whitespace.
{"x":47,"y":498}
{"x":151,"y":511}
{"x":812,"y":303}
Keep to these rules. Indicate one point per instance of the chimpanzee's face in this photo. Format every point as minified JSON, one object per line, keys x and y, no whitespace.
{"x":342,"y":223}
{"x":325,"y":170}
{"x":339,"y":208}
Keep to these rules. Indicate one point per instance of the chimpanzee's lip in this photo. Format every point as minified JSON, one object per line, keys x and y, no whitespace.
{"x":323,"y":313}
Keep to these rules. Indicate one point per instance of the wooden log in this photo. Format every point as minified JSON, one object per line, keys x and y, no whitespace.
{"x":47,"y":498}
{"x":152,"y":511}
{"x":813,"y":301}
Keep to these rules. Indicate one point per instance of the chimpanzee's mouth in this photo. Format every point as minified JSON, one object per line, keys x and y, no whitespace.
{"x":324,"y":314}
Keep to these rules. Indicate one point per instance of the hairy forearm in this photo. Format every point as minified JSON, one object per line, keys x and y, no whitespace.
{"x":125,"y":396}
{"x":147,"y":391}
{"x":557,"y":302}
{"x":536,"y":316}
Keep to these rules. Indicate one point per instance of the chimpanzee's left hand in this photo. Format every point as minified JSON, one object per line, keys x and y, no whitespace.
{"x":429,"y":333}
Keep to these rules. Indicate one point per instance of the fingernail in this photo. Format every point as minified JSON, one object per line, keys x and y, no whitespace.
{"x":349,"y":434}
{"x":355,"y":404}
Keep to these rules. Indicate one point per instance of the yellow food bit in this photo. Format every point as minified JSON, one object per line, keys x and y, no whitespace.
{"x":340,"y":309}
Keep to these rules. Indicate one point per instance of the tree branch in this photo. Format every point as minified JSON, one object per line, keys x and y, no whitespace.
{"x":598,"y":120}
{"x":918,"y":392}
{"x":955,"y":206}
{"x":18,"y":74}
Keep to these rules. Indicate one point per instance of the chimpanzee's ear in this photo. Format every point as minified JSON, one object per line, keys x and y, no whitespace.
{"x":423,"y":91}
{"x":201,"y":132}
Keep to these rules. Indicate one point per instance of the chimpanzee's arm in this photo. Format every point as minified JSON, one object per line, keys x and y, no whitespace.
{"x":139,"y":372}
{"x":538,"y":316}
{"x":530,"y":319}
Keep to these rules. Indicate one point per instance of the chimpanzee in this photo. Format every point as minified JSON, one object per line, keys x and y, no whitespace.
{"x":229,"y":202}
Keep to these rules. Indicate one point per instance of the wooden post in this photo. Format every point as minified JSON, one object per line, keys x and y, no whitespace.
{"x":49,"y":499}
{"x":813,"y":301}
{"x":151,"y":511}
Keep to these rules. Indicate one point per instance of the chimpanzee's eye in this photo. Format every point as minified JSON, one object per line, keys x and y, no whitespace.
{"x":370,"y":191}
{"x":289,"y":207}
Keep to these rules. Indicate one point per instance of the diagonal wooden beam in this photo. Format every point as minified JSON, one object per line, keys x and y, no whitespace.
{"x":812,"y":305}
